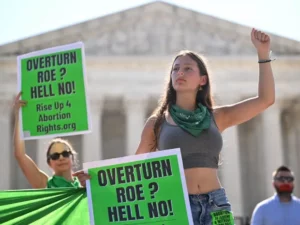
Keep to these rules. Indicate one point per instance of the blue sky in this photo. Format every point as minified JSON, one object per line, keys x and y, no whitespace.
{"x":24,"y":18}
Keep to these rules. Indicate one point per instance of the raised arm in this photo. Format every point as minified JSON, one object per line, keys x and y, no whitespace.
{"x":36,"y":177}
{"x":243,"y":111}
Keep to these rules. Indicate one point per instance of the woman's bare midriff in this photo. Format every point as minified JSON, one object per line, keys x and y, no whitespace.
{"x":202,"y":180}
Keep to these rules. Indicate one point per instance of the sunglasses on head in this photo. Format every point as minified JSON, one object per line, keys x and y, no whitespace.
{"x":285,"y":178}
{"x":56,"y":155}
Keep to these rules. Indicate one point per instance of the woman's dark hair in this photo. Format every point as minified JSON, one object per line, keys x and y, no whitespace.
{"x":67,"y":144}
{"x":204,"y":95}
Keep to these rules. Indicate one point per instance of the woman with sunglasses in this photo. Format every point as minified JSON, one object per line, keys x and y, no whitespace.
{"x":61,"y":158}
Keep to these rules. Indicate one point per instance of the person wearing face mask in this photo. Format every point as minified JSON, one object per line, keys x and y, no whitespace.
{"x":283,"y":208}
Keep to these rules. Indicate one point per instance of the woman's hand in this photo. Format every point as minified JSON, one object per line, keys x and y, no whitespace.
{"x":82,"y":177}
{"x":261,"y":42}
{"x":18,"y":104}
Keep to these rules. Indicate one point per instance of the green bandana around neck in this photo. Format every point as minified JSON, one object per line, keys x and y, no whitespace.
{"x":61,"y":182}
{"x":193,"y":122}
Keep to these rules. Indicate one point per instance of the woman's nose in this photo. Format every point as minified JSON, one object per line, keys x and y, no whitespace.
{"x":180,"y":73}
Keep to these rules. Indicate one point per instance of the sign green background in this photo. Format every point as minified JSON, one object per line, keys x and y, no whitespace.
{"x":170,"y":188}
{"x":74,"y":103}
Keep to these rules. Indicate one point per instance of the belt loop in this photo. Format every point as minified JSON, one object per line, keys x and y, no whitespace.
{"x":210,"y":198}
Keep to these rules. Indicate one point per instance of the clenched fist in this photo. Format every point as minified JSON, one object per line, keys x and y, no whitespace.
{"x":261,"y":41}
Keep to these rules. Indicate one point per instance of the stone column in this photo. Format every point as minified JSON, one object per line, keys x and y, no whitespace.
{"x":92,"y":142}
{"x":135,"y":107}
{"x":231,"y":170}
{"x":41,"y":151}
{"x":295,"y":148}
{"x":6,"y":146}
{"x":290,"y":138}
{"x":271,"y":145}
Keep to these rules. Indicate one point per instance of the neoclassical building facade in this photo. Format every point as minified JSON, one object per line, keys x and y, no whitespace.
{"x":128,"y":55}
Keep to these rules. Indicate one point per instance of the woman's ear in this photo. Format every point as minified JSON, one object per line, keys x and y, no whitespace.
{"x":203,"y":80}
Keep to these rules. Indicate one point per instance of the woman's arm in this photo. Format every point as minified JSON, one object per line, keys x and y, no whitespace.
{"x":34,"y":175}
{"x":147,"y":142}
{"x":243,"y":111}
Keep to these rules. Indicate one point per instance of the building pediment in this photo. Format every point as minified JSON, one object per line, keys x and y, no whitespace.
{"x":157,"y":28}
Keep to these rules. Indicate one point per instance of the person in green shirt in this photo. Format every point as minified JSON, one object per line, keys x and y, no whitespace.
{"x":60,"y":156}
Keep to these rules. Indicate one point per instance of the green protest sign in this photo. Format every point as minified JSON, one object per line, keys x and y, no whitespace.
{"x":141,"y":189}
{"x":222,"y":218}
{"x":53,"y":82}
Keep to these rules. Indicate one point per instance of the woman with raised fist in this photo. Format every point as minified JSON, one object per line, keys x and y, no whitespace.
{"x":188,"y":119}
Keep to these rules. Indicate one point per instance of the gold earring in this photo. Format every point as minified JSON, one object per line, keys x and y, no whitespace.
{"x":200,"y":88}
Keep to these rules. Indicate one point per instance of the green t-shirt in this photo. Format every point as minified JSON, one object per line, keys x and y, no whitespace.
{"x":61,"y":182}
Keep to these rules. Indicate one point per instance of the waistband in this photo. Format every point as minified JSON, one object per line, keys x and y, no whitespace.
{"x":210,"y":195}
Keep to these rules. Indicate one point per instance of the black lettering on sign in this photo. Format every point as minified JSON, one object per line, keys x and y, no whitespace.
{"x":166,"y":168}
{"x":41,"y":91}
{"x":48,"y":128}
{"x":130,"y":193}
{"x":63,"y":72}
{"x":129,"y":173}
{"x":121,"y":196}
{"x":46,"y":76}
{"x":134,"y":173}
{"x":51,"y":61}
{"x":222,"y":218}
{"x":41,"y":107}
{"x":137,"y":168}
{"x":160,"y":209}
{"x":54,"y":117}
{"x":121,"y":175}
{"x":153,"y":186}
{"x":157,"y":169}
{"x":58,"y":105}
{"x":113,"y":214}
{"x":66,"y":88}
{"x":124,"y":213}
{"x":102,"y":179}
{"x":68,"y":104}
